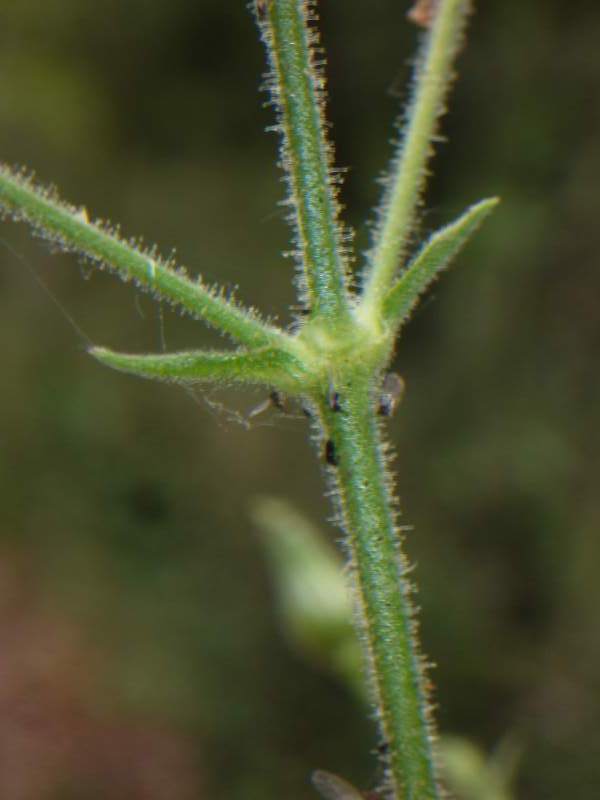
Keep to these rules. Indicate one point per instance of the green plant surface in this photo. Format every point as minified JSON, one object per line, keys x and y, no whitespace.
{"x":335,"y":358}
{"x":408,"y":174}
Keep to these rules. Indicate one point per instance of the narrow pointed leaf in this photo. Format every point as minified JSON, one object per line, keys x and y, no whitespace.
{"x":264,"y":366}
{"x":435,"y":255}
{"x":71,"y":229}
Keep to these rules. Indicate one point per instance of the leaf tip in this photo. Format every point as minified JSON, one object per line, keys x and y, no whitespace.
{"x":101,"y":354}
{"x":486,"y":206}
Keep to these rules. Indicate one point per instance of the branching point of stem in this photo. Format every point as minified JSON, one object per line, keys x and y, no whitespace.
{"x":339,"y":355}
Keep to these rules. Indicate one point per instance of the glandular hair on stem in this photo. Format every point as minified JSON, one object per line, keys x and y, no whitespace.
{"x":423,"y":12}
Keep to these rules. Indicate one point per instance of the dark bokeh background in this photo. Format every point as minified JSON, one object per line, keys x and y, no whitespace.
{"x":140,"y":655}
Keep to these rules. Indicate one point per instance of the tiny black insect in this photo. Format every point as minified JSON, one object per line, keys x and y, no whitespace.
{"x":307,"y":411}
{"x":331,"y":457}
{"x":423,"y":12}
{"x":392,"y":390}
{"x":334,"y":402}
{"x":382,"y":749}
{"x":274,"y":400}
{"x":261,"y":9}
{"x":277,"y":400}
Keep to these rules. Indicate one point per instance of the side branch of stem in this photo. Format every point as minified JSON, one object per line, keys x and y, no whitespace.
{"x":405,"y":184}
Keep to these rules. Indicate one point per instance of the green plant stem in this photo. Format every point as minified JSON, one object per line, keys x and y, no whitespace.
{"x":380,"y":570}
{"x":339,"y":352}
{"x":434,"y":76}
{"x":297,"y":87}
{"x":71,"y":229}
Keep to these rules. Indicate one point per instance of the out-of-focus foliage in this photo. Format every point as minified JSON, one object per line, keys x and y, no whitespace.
{"x":312,"y":594}
{"x":314,"y":600}
{"x":124,"y":506}
{"x":470,"y":775}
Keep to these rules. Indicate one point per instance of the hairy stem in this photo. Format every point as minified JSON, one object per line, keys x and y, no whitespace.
{"x":297,"y":89}
{"x":407,"y":179}
{"x":386,"y":616}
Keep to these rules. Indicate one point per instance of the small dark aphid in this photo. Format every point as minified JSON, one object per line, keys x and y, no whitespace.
{"x":277,"y":400}
{"x":334,"y":401}
{"x":307,"y":411}
{"x":383,"y":749}
{"x":391,"y":394}
{"x":423,"y":13}
{"x":331,"y":457}
{"x":274,"y":400}
{"x":261,"y":9}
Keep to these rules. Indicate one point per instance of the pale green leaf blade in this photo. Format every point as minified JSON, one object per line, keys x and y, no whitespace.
{"x":435,"y":256}
{"x":268,"y":366}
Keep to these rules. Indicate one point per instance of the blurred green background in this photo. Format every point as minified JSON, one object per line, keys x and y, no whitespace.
{"x":141,"y":655}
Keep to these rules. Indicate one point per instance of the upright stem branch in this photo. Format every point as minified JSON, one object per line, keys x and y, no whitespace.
{"x":297,"y":88}
{"x":386,"y":615}
{"x":408,"y":176}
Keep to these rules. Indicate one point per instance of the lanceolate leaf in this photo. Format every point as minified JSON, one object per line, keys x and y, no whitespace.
{"x":435,"y":255}
{"x":70,"y":227}
{"x":263,"y":366}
